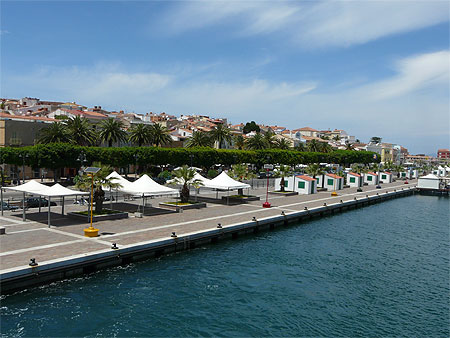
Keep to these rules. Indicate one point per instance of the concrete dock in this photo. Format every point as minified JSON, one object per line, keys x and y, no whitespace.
{"x":62,"y":251}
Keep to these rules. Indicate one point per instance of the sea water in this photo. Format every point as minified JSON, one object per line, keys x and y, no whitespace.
{"x":381,"y":270}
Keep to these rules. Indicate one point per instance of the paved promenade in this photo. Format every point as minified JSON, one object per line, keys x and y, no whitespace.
{"x":33,"y":239}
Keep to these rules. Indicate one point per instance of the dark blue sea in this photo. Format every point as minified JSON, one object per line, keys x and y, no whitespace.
{"x":382,"y":270}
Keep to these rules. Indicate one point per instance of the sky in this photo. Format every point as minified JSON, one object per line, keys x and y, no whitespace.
{"x":372,"y":68}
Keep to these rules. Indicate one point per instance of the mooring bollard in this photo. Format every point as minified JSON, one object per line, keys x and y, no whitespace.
{"x":2,"y":231}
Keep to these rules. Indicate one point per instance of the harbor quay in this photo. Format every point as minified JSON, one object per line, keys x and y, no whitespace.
{"x":61,"y":251}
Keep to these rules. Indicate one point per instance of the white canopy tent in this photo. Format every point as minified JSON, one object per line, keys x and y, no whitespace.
{"x":35,"y":188}
{"x":225,"y":182}
{"x":222,"y":182}
{"x":146,"y":187}
{"x":118,"y":179}
{"x":31,"y":187}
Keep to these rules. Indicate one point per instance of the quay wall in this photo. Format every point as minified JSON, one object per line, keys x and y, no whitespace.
{"x":21,"y":278}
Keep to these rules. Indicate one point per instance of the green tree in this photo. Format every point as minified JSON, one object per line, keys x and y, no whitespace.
{"x":314,"y":170}
{"x":348,"y":145}
{"x":300,"y":147}
{"x":239,"y":142}
{"x":111,"y":131}
{"x":283,"y":171}
{"x":221,"y":134}
{"x":270,"y":139}
{"x":336,"y":138}
{"x":160,"y":135}
{"x":282,"y":144}
{"x":256,"y":142}
{"x":80,"y":131}
{"x":100,"y":181}
{"x":185,"y":176}
{"x":251,"y":126}
{"x":54,"y":133}
{"x":325,"y":147}
{"x":313,"y":146}
{"x":199,"y":139}
{"x":375,"y":139}
{"x":140,"y":134}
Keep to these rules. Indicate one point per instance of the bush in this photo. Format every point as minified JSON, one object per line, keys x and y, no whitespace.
{"x":60,"y":155}
{"x":212,"y":173}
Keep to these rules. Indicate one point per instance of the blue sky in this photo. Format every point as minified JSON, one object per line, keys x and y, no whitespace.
{"x":373,"y":68}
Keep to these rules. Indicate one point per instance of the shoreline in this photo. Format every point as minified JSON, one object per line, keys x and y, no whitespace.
{"x":21,"y":277}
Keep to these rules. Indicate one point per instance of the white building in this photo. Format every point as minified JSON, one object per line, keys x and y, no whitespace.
{"x":371,"y":178}
{"x":305,"y":185}
{"x":429,"y":181}
{"x":414,"y":173}
{"x":405,"y":175}
{"x":332,"y":182}
{"x":385,"y":177}
{"x":354,"y":180}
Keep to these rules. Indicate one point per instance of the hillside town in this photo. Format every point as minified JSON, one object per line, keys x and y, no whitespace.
{"x":22,"y":122}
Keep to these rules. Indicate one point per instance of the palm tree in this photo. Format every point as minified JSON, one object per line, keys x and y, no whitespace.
{"x":336,"y":138}
{"x":186,"y":176}
{"x":54,"y":133}
{"x":283,"y":172}
{"x":140,"y":134}
{"x":111,"y":131}
{"x":375,"y":139}
{"x":84,"y":183}
{"x":80,"y":131}
{"x":240,"y":172}
{"x":348,"y":145}
{"x":199,"y":139}
{"x":256,"y":142}
{"x":314,"y":169}
{"x":160,"y":135}
{"x":269,"y":136}
{"x":325,"y":147}
{"x":239,"y":142}
{"x":300,"y":147}
{"x":282,"y":144}
{"x":313,"y":145}
{"x":221,"y":134}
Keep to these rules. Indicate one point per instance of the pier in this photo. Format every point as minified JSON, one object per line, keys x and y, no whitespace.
{"x":61,"y":251}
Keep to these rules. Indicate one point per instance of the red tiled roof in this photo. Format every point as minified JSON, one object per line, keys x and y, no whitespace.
{"x":388,"y":173}
{"x":354,"y":174}
{"x":22,"y":117}
{"x":334,"y":176}
{"x":306,"y":178}
{"x":372,"y":173}
{"x":443,"y":150}
{"x":307,"y":129}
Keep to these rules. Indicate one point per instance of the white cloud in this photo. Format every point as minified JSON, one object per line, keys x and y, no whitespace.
{"x":312,"y":24}
{"x":413,"y":74}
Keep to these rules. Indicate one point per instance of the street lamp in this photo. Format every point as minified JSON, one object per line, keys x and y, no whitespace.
{"x":23,"y":157}
{"x":266,"y":204}
{"x":91,"y":231}
{"x":136,"y":158}
{"x":82,"y":159}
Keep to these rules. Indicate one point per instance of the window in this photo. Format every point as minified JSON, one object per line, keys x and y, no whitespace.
{"x":330,"y":181}
{"x":301,"y":185}
{"x":383,"y":177}
{"x":369,"y":178}
{"x":317,"y":179}
{"x":403,"y":174}
{"x":352,"y":180}
{"x":285,"y":184}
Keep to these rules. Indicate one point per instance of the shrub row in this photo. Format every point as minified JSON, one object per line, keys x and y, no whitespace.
{"x":61,"y":155}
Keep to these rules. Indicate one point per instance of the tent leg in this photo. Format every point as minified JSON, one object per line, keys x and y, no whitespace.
{"x":62,"y":207}
{"x":1,"y":193}
{"x":48,"y":215}
{"x":110,"y":198}
{"x":23,"y":208}
{"x":228,"y":197}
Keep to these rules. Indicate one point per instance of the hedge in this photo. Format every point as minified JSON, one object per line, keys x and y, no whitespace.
{"x":60,"y":155}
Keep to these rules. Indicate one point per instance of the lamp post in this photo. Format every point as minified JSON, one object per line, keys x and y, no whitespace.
{"x":91,"y":231}
{"x":266,"y":204}
{"x":136,"y":158}
{"x":23,"y":157}
{"x":82,"y":159}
